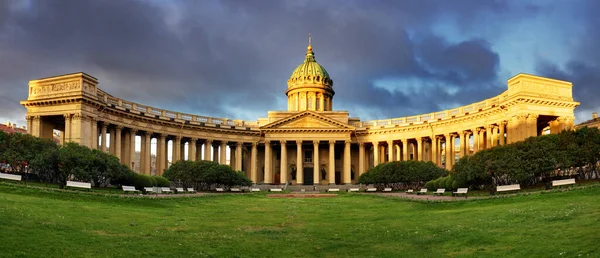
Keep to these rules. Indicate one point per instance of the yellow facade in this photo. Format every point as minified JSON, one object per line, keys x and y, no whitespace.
{"x":308,"y":144}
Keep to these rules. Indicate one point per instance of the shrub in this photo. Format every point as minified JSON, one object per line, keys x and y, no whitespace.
{"x":162,"y":182}
{"x":411,"y":174}
{"x":449,"y":183}
{"x":140,"y":181}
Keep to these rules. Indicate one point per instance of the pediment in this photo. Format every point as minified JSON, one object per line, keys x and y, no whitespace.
{"x":307,"y":120}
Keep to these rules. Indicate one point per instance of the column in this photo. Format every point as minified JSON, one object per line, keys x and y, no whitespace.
{"x":103,"y":133}
{"x":316,"y":176}
{"x":463,"y":144}
{"x":434,"y":151}
{"x":111,"y":146}
{"x":207,"y":149}
{"x":199,"y":156}
{"x":161,"y":153}
{"x":448,"y":151}
{"x":404,"y":149}
{"x":299,"y":164}
{"x":253,"y":160}
{"x":390,"y":144}
{"x":398,"y":152}
{"x":347,"y":163}
{"x":215,"y":152}
{"x":94,"y":142}
{"x":147,"y":155}
{"x":132,"y":160}
{"x":117,"y":141}
{"x":223,"y":153}
{"x":68,"y":128}
{"x":361,"y":158}
{"x":238,"y":156}
{"x":322,"y":103}
{"x":176,"y":149}
{"x":268,"y":163}
{"x":419,"y":149}
{"x":375,"y":153}
{"x":182,"y":149}
{"x":331,"y":172}
{"x":501,"y":139}
{"x":532,"y":125}
{"x":192,"y":149}
{"x":489,"y":134}
{"x":475,"y":132}
{"x":143,"y":155}
{"x":283,"y":172}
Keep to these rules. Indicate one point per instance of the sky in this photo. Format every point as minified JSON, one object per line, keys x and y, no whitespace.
{"x":232,"y":58}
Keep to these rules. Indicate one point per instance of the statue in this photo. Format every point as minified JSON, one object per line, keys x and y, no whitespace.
{"x":323,"y":172}
{"x":293,"y":170}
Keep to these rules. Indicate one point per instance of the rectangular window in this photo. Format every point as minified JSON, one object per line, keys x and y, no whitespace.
{"x":318,"y":103}
{"x":310,"y":103}
{"x":308,"y":156}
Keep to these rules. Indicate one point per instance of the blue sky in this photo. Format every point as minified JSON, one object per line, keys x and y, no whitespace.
{"x":232,"y":58}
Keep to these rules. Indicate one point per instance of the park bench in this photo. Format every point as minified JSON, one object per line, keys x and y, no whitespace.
{"x":219,"y":189}
{"x":353,"y":189}
{"x":460,"y":191}
{"x":179,"y":190}
{"x":570,"y":181}
{"x":236,"y":190}
{"x":409,"y":191}
{"x":254,"y":189}
{"x":423,"y":191}
{"x":388,"y":189}
{"x":165,"y":190}
{"x":276,"y":190}
{"x":333,"y":190}
{"x":191,"y":190}
{"x":372,"y":189}
{"x":149,"y":190}
{"x":440,"y":191}
{"x":506,"y":188}
{"x":10,"y":177}
{"x":79,"y":185}
{"x":127,"y":188}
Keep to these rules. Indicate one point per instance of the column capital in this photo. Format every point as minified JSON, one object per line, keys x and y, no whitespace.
{"x":347,"y":142}
{"x":503,"y":123}
{"x":37,"y":117}
{"x":390,"y":142}
{"x":532,"y":116}
{"x":163,"y":136}
{"x":208,"y":141}
{"x":331,"y":141}
{"x":77,"y":116}
{"x":239,"y":144}
{"x":28,"y":118}
{"x":254,"y":144}
{"x":133,"y":130}
{"x":178,"y":137}
{"x":267,"y":142}
{"x":375,"y":143}
{"x":299,"y":142}
{"x":67,"y":116}
{"x":316,"y":142}
{"x":147,"y":134}
{"x":419,"y":139}
{"x":361,"y":144}
{"x":223,"y":143}
{"x":283,"y":142}
{"x":119,"y":127}
{"x":193,"y":139}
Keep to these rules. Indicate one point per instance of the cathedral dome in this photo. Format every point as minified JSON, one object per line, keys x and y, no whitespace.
{"x":310,"y":73}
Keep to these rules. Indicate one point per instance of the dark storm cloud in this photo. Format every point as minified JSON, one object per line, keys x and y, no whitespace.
{"x":220,"y":58}
{"x":583,"y":68}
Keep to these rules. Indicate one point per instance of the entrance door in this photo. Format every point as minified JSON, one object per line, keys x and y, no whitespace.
{"x":338,"y":178}
{"x":308,"y":176}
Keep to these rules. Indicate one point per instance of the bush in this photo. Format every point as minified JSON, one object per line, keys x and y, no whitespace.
{"x":140,"y":181}
{"x":430,"y":185}
{"x":161,"y":181}
{"x":449,"y":183}
{"x":402,"y":174}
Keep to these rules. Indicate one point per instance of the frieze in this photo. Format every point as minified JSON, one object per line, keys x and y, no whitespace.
{"x":54,"y":88}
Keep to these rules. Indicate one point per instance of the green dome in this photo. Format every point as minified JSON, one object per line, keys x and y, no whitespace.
{"x":310,"y":72}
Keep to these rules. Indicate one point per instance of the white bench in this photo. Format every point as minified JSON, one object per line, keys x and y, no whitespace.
{"x":371,"y":189}
{"x":388,"y":189}
{"x":236,"y":190}
{"x":149,"y":190}
{"x":191,"y":190}
{"x":179,"y":190}
{"x":254,"y":189}
{"x":570,"y":181}
{"x":165,"y":190}
{"x":440,"y":191}
{"x":505,"y":188}
{"x":333,"y":190}
{"x":127,"y":188}
{"x":409,"y":191}
{"x":10,"y":176}
{"x":219,"y":189}
{"x":276,"y":190}
{"x":460,"y":191}
{"x":423,"y":191}
{"x":353,"y":189}
{"x":80,"y":185}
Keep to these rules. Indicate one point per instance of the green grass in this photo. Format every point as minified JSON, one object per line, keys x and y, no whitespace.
{"x":50,"y":223}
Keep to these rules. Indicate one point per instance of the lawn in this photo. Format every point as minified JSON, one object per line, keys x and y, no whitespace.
{"x":51,"y":223}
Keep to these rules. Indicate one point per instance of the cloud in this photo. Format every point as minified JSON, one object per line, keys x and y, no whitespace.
{"x":216,"y":58}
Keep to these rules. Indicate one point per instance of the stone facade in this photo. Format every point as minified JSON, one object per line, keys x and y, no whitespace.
{"x":310,"y":143}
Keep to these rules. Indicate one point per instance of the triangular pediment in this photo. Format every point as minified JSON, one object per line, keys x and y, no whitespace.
{"x":307,"y":120}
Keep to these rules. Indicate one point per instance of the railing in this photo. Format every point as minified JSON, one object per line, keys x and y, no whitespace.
{"x":105,"y":97}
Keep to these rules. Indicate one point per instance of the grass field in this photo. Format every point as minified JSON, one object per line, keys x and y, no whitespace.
{"x":49,"y":223}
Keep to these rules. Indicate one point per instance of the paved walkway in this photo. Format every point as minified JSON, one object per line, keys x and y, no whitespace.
{"x":420,"y":197}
